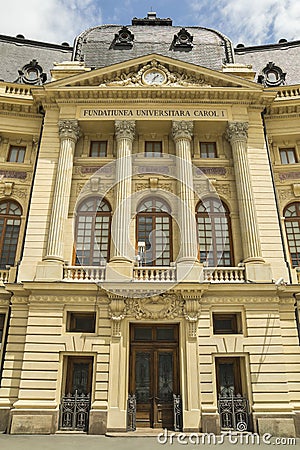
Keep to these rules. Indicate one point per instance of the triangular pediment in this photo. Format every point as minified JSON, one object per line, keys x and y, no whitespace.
{"x":140,"y":72}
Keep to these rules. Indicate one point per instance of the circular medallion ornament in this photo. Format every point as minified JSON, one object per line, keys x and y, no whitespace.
{"x":154,"y":77}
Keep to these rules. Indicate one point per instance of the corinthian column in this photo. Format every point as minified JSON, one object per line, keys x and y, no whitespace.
{"x":237,"y":135}
{"x":69,"y":133}
{"x":182,"y":133}
{"x":124,"y":133}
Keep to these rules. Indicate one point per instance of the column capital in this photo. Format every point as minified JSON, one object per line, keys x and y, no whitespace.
{"x":69,"y":129}
{"x":182,"y":130}
{"x":237,"y":131}
{"x":125,"y":129}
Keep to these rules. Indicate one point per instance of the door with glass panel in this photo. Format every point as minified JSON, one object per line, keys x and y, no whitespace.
{"x":154,"y":374}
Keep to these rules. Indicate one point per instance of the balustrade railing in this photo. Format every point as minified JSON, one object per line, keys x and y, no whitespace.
{"x":224,"y":274}
{"x":154,"y":273}
{"x":84,"y":273}
{"x":131,"y":413}
{"x":4,"y":273}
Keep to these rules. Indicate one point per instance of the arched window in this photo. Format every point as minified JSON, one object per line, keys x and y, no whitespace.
{"x":10,"y":221}
{"x":214,"y":233}
{"x":292,"y":226}
{"x":92,"y":232}
{"x":154,"y":233}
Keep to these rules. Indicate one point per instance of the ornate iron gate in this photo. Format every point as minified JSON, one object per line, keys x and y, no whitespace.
{"x":177,"y":412}
{"x":74,"y":412}
{"x":234,"y":413}
{"x":131,"y":413}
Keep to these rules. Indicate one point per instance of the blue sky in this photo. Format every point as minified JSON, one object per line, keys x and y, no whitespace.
{"x":244,"y":21}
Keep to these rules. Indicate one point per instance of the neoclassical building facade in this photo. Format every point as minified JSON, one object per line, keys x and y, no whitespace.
{"x":149,"y":233}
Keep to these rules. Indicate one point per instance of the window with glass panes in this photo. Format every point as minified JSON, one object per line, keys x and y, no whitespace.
{"x":153,"y":149}
{"x":16,"y":154}
{"x":98,"y":149}
{"x":10,"y":221}
{"x":292,"y":226}
{"x":154,"y":225}
{"x":92,"y":232}
{"x":214,"y":233}
{"x":2,"y":320}
{"x":208,"y":150}
{"x":287,"y":155}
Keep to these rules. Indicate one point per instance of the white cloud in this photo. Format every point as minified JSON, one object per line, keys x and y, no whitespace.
{"x":49,"y":20}
{"x":250,"y":22}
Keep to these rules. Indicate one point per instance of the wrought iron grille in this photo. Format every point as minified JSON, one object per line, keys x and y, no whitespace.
{"x":177,"y":402}
{"x":131,"y":413}
{"x":234,"y":413}
{"x":74,"y":412}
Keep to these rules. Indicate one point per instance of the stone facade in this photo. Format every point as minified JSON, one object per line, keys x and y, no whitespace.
{"x":182,"y":279}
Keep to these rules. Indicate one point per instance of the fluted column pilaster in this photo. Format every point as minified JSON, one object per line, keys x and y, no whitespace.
{"x":182,"y":133}
{"x":124,"y":134}
{"x":69,"y":133}
{"x":237,"y":134}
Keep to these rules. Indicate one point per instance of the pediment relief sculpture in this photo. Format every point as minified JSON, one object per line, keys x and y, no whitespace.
{"x":155,"y":74}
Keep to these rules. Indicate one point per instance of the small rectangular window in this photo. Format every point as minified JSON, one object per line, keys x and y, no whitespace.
{"x":98,"y":149}
{"x":153,"y":149}
{"x":81,"y":322}
{"x":16,"y":154}
{"x":2,"y":320}
{"x":208,"y":150}
{"x":227,"y":323}
{"x":287,"y":156}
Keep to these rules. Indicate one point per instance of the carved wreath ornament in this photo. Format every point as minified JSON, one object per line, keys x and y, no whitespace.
{"x":171,"y":78}
{"x":157,"y":307}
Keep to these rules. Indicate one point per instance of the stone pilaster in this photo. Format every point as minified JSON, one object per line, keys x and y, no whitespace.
{"x":69,"y":133}
{"x":237,"y":135}
{"x":122,"y":260}
{"x":182,"y":133}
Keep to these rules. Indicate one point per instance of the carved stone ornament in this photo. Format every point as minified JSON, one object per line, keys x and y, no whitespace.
{"x":125,"y":129}
{"x":116,"y":312}
{"x":124,"y":38}
{"x":183,"y":40}
{"x":237,"y":131}
{"x":69,"y":129}
{"x":182,"y":130}
{"x":32,"y":73}
{"x":162,"y":306}
{"x":272,"y":75}
{"x":171,"y":78}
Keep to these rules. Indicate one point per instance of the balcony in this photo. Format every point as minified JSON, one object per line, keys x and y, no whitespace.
{"x":154,"y":273}
{"x":86,"y":273}
{"x":224,"y":274}
{"x":4,"y":275}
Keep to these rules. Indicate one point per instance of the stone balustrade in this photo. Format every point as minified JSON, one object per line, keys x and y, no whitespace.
{"x":84,"y":273}
{"x":224,"y":274}
{"x":154,"y":274}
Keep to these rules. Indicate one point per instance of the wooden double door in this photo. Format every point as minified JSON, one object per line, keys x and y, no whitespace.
{"x":154,"y":373}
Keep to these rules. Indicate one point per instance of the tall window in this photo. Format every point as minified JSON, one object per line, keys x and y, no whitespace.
{"x":153,"y":149}
{"x":98,"y":149}
{"x":292,"y":226}
{"x":92,"y":232}
{"x":287,"y":155}
{"x":154,"y":232}
{"x":10,"y":221}
{"x":214,"y":233}
{"x":208,"y":150}
{"x":16,"y":153}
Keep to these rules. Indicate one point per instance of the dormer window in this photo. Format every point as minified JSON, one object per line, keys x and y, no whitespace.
{"x":183,"y":40}
{"x":32,"y":73}
{"x":272,"y":76}
{"x":124,"y":38}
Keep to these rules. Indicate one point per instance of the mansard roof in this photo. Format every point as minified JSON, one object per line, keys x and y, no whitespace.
{"x":96,"y":46}
{"x":17,"y":52}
